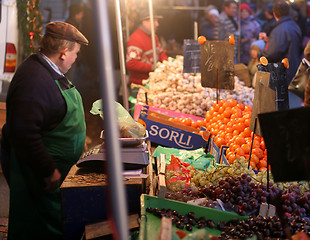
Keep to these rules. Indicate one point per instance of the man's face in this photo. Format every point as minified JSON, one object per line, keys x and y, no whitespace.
{"x":68,"y":57}
{"x":231,"y":10}
{"x":147,"y":24}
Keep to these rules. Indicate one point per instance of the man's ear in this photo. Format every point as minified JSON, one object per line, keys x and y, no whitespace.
{"x":63,"y":53}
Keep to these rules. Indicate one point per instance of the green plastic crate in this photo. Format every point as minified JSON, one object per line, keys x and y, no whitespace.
{"x":150,"y":224}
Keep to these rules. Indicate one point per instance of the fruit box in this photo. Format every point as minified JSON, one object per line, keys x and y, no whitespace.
{"x":167,"y":112}
{"x":170,"y":134}
{"x":150,"y":224}
{"x":223,"y":159}
{"x":216,"y":151}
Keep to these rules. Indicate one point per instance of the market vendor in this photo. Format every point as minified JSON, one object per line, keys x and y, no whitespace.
{"x":139,"y":56}
{"x":44,"y":134}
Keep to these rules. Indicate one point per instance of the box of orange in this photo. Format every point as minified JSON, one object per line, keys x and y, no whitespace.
{"x":167,"y":133}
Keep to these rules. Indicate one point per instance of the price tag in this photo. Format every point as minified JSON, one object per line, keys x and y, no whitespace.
{"x":217,"y":65}
{"x":191,"y":53}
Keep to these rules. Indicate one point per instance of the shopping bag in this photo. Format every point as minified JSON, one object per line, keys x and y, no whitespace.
{"x":299,"y":82}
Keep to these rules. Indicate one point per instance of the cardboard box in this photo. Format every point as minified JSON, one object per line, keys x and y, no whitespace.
{"x":167,"y":112}
{"x":170,"y":134}
{"x":217,"y":152}
{"x":223,"y":159}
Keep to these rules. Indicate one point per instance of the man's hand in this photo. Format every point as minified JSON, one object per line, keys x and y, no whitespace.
{"x":52,"y":182}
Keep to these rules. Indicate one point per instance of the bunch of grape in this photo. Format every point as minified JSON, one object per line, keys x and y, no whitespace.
{"x":302,"y":186}
{"x":178,"y":185}
{"x":212,"y":177}
{"x":263,"y":228}
{"x":187,"y":221}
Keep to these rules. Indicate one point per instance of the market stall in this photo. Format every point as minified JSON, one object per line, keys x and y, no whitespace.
{"x":201,"y":164}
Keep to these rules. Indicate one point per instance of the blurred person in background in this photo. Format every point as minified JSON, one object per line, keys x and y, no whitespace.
{"x":284,"y":41}
{"x":139,"y":56}
{"x":44,"y":134}
{"x":249,"y":32}
{"x":307,"y":90}
{"x":75,"y":18}
{"x":208,"y":22}
{"x":255,"y":52}
{"x":270,"y":20}
{"x":227,"y":24}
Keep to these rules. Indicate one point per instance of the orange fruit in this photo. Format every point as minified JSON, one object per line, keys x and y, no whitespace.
{"x":240,"y":106}
{"x":286,"y":63}
{"x":231,"y":158}
{"x":247,"y":132}
{"x":187,"y":122}
{"x":258,"y":152}
{"x":256,"y":144}
{"x":262,"y":145}
{"x":239,"y":151}
{"x":254,"y":159}
{"x":219,"y":141}
{"x":248,"y":108}
{"x":263,"y":163}
{"x":252,"y":164}
{"x":246,"y":148}
{"x":194,"y":125}
{"x":231,"y":39}
{"x":236,"y":133}
{"x":240,"y":140}
{"x":202,"y":39}
{"x":232,"y":102}
{"x":247,"y":122}
{"x":263,"y":60}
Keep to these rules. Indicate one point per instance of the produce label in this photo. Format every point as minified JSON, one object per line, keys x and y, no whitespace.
{"x":170,"y":136}
{"x":217,"y":65}
{"x":191,"y":53}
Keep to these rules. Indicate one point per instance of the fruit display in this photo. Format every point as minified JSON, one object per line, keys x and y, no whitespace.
{"x":262,"y":227}
{"x":229,"y":122}
{"x":188,"y":221}
{"x":244,"y":196}
{"x":171,"y":89}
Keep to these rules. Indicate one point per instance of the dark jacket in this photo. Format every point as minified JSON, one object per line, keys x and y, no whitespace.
{"x":285,"y":42}
{"x":34,"y":107}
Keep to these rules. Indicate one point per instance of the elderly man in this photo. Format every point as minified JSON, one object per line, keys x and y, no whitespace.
{"x":44,"y":134}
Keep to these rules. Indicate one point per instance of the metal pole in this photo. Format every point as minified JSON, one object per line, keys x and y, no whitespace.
{"x":121,"y":53}
{"x":153,"y":33}
{"x":117,"y":208}
{"x":195,"y":30}
{"x":239,"y":30}
{"x":126,"y":20}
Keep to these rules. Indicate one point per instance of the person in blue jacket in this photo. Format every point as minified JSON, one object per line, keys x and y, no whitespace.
{"x":44,"y":134}
{"x":284,"y":41}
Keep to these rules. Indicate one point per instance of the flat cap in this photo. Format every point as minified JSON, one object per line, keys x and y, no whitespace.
{"x":145,"y":14}
{"x":65,"y":31}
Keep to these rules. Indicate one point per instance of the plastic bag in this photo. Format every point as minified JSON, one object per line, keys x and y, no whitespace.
{"x":196,"y":158}
{"x":299,"y":82}
{"x":129,"y":128}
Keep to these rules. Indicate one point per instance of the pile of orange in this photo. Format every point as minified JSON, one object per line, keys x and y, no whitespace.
{"x":229,"y":121}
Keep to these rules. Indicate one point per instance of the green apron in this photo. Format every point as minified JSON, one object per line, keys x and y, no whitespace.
{"x":34,"y":213}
